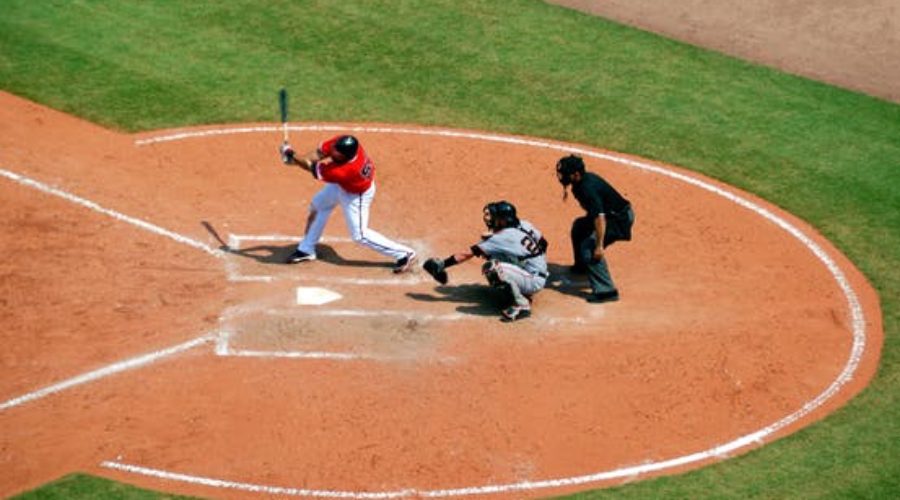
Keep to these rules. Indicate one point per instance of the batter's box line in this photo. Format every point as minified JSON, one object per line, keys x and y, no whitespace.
{"x":223,"y":348}
{"x":418,"y":316}
{"x":234,"y":274}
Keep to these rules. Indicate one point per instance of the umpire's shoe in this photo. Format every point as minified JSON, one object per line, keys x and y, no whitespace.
{"x":299,"y":256}
{"x":600,"y":298}
{"x":514,"y":313}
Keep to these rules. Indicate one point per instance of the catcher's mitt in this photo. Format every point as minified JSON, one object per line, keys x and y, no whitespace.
{"x":435,"y":267}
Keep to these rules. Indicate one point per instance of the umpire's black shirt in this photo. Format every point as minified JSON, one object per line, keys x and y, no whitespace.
{"x":596,"y":196}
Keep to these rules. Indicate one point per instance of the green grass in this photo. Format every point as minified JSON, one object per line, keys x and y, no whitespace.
{"x":827,"y":155}
{"x":94,"y":488}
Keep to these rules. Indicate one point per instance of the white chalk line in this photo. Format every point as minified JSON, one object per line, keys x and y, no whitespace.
{"x":414,"y":315}
{"x":128,"y":364}
{"x":40,"y":186}
{"x":332,"y":356}
{"x":223,"y":344}
{"x":224,"y":349}
{"x":719,"y":451}
{"x":373,"y":313}
{"x":270,"y":490}
{"x":266,"y":278}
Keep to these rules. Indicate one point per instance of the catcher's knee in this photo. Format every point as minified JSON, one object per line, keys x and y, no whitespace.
{"x":491,"y":272}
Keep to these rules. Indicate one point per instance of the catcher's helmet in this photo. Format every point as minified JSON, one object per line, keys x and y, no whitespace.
{"x":347,"y":145}
{"x":567,"y":166}
{"x":500,"y":214}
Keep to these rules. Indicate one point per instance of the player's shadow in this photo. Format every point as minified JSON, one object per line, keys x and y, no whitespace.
{"x":328,"y":254}
{"x":476,"y":299}
{"x":278,"y":254}
{"x":264,"y":254}
{"x":564,"y":281}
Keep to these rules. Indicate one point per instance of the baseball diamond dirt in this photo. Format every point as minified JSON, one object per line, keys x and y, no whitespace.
{"x":137,"y":349}
{"x":853,"y":44}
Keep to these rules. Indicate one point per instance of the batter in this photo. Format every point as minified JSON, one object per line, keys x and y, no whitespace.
{"x":349,"y":174}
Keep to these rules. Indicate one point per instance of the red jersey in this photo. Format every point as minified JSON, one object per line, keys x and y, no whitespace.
{"x":354,"y":176}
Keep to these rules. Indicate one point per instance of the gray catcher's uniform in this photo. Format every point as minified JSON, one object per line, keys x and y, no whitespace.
{"x":517,"y":258}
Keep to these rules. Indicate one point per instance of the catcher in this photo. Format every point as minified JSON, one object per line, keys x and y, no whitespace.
{"x":515,"y":253}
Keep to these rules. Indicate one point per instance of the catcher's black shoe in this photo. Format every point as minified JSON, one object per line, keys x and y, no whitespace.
{"x":405,"y":263}
{"x":514,"y":313}
{"x":299,"y":256}
{"x":599,"y":298}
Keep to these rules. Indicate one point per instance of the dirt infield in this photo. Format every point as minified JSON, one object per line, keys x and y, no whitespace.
{"x":136,"y":349}
{"x":855,"y":45}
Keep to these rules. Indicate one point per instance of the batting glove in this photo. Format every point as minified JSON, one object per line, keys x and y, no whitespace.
{"x":287,"y":153}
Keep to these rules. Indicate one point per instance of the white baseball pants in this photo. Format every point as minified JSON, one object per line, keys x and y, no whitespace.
{"x":356,"y":214}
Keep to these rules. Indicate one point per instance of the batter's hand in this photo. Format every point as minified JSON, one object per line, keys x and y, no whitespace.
{"x":435,"y":267}
{"x":287,"y":153}
{"x":598,"y":254}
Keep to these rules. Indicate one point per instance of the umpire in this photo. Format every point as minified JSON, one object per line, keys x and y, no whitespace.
{"x":609,"y":219}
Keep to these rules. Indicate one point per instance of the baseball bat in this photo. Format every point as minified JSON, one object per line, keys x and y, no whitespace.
{"x":283,"y":105}
{"x":215,"y":234}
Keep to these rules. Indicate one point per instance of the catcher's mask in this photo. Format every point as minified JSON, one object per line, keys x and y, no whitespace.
{"x":347,"y":145}
{"x":500,"y":214}
{"x":567,"y":166}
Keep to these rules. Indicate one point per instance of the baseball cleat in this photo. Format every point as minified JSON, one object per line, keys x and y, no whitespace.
{"x":514,"y":313}
{"x":599,"y":298}
{"x":578,"y":269}
{"x":405,"y":263}
{"x":299,"y":256}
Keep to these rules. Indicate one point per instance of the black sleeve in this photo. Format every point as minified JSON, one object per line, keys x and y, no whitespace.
{"x":593,"y":204}
{"x":589,"y":193}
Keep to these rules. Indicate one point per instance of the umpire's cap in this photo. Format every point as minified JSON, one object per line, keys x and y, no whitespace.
{"x":567,"y":166}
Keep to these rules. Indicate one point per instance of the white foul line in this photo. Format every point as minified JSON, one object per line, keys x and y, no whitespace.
{"x":40,"y":186}
{"x":127,"y":364}
{"x":114,"y":368}
{"x":846,"y":375}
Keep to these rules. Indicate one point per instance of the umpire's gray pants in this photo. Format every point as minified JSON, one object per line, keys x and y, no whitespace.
{"x":584,"y":240}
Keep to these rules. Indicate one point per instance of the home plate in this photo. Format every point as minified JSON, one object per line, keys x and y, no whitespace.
{"x":314,"y":296}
